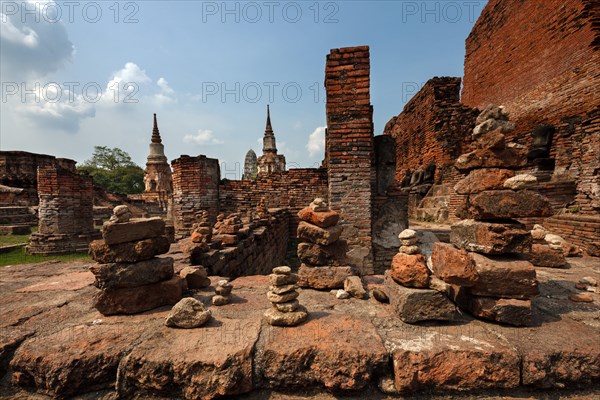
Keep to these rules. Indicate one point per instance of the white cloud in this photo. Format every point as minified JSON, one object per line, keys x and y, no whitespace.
{"x":166,"y":95}
{"x":54,"y":107}
{"x":34,"y":43}
{"x":316,"y":141}
{"x":125,"y":85}
{"x":202,"y":137}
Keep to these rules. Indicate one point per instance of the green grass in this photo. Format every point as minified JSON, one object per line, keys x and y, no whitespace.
{"x":7,"y":240}
{"x":18,"y":256}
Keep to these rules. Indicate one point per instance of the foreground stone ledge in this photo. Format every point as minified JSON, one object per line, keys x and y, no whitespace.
{"x":74,"y":360}
{"x":204,"y":363}
{"x":453,"y":359}
{"x":337,"y":352}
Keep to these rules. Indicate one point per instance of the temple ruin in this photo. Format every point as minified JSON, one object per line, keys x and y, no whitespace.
{"x":454,"y":254}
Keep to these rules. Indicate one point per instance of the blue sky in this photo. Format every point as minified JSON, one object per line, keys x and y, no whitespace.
{"x":80,"y":74}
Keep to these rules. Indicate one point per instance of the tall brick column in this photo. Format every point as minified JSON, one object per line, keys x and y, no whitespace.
{"x":350,"y":151}
{"x":195,"y":188}
{"x":66,"y":217}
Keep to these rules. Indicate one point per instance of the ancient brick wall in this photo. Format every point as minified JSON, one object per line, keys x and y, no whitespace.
{"x":580,"y":230}
{"x":540,"y":60}
{"x":294,"y":189}
{"x":350,"y":149}
{"x":66,"y":217}
{"x":263,"y":249}
{"x":433,"y":126}
{"x":195,"y":188}
{"x":19,"y":169}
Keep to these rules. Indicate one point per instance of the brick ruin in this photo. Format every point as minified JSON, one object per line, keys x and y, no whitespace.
{"x":65,"y":210}
{"x":358,"y":181}
{"x":508,"y":63}
{"x":18,"y":169}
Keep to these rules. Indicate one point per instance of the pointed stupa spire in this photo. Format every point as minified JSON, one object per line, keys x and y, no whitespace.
{"x":269,"y":138}
{"x":269,"y":128}
{"x":155,"y":132}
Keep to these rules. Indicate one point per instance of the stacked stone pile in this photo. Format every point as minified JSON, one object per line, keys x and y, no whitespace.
{"x":130,"y":277}
{"x":407,"y":285}
{"x":202,"y":231}
{"x":485,"y":264}
{"x":286,"y":310}
{"x":222,"y":293}
{"x":320,"y":250}
{"x":228,"y":228}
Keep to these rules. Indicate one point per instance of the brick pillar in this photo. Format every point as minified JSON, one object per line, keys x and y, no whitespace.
{"x":350,"y":152}
{"x":195,"y":188}
{"x":66,"y":217}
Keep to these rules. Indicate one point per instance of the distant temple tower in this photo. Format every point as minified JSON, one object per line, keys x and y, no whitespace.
{"x":250,"y":165}
{"x":158,"y":180}
{"x":270,"y":161}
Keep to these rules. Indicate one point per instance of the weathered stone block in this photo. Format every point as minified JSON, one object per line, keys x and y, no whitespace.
{"x":453,"y":265}
{"x":410,"y":270}
{"x":139,"y":299}
{"x":492,"y":158}
{"x":507,"y":311}
{"x":134,"y":230}
{"x":498,"y":204}
{"x":121,"y":275}
{"x":323,"y":277}
{"x":543,"y":256}
{"x":316,"y":254}
{"x":483,"y":179}
{"x":314,"y":234}
{"x":504,"y":277}
{"x":323,"y":219}
{"x":491,"y":238}
{"x":415,"y":305}
{"x":129,"y":252}
{"x":195,"y":277}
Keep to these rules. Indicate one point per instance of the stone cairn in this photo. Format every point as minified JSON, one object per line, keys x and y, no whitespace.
{"x":286,"y":310}
{"x":202,"y":231}
{"x":409,"y":288}
{"x":130,"y":277}
{"x":320,"y":250}
{"x":228,"y":228}
{"x":484,"y":264}
{"x":222,"y":293}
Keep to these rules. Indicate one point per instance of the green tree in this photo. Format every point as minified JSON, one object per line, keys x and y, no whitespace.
{"x":113,"y":170}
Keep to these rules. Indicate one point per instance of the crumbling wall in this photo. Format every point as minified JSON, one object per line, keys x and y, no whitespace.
{"x":350,"y":149}
{"x":432,"y":127}
{"x":540,"y":60}
{"x":195,"y":188}
{"x":18,"y":169}
{"x":66,"y":217}
{"x":258,"y":253}
{"x":294,"y":189}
